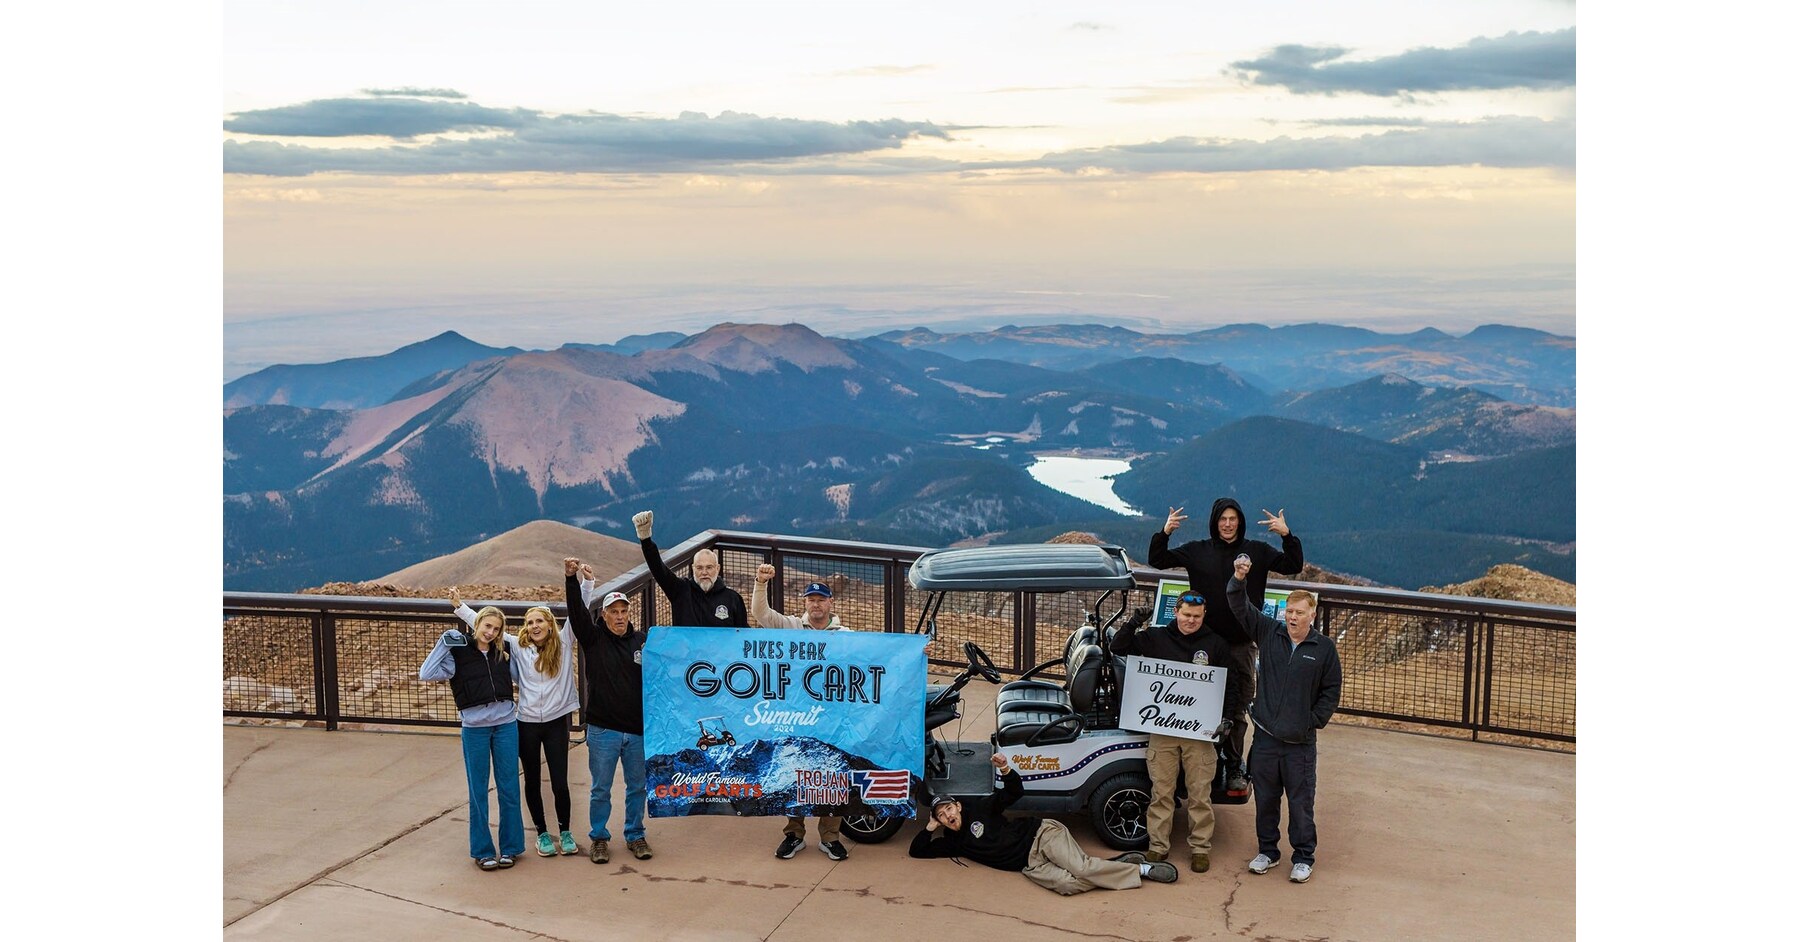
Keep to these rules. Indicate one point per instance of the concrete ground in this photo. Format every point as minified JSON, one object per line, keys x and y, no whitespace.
{"x":364,"y":835}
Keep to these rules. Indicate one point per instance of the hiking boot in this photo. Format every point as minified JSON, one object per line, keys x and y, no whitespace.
{"x":569,"y":847}
{"x":1236,"y":783}
{"x":1162,"y":872}
{"x":833,"y":849}
{"x":546,"y":845}
{"x":639,"y":848}
{"x":1202,"y":863}
{"x":790,"y":845}
{"x":1301,"y":873}
{"x":1260,"y":864}
{"x":1130,"y":856}
{"x":1154,"y":856}
{"x":599,"y":852}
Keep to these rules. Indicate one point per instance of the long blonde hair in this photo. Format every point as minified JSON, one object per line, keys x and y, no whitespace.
{"x":549,"y":654}
{"x":499,"y":639}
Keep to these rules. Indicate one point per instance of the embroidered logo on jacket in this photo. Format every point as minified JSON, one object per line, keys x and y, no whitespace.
{"x":977,"y":829}
{"x":721,"y":613}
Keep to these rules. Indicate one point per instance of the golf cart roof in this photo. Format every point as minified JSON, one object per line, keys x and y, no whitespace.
{"x":1032,"y":567}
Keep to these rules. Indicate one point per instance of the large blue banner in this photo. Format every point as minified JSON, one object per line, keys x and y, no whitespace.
{"x":752,"y":721}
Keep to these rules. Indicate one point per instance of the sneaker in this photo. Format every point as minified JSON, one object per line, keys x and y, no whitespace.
{"x":1301,"y":873}
{"x":599,"y":852}
{"x":1154,"y":856}
{"x":1130,"y":856}
{"x":1162,"y":871}
{"x":639,"y":848}
{"x":1202,"y":863}
{"x":546,"y":845}
{"x":506,"y":860}
{"x":569,"y":847}
{"x":488,"y":863}
{"x":833,"y":849}
{"x":790,"y":845}
{"x":1260,"y":864}
{"x":1236,"y":783}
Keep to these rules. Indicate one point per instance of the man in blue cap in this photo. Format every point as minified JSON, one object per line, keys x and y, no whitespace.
{"x":819,"y":601}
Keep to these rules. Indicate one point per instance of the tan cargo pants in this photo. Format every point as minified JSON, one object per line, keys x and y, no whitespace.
{"x":1168,"y":755}
{"x":827,"y":827}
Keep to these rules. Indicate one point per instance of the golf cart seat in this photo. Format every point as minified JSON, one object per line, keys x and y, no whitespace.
{"x":1084,"y":666}
{"x":1017,"y":727}
{"x":1029,"y":693}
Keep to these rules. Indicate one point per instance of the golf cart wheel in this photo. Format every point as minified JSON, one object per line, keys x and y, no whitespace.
{"x":871,"y":829}
{"x":1120,"y":811}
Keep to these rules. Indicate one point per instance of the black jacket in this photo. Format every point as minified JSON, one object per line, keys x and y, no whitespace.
{"x":1001,"y":843}
{"x":1210,"y":563}
{"x":613,"y":665}
{"x":1167,"y":643}
{"x":692,"y":606}
{"x":1296,"y":686}
{"x":480,"y":678}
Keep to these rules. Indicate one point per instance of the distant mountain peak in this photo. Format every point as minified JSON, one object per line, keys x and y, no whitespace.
{"x":757,"y":348}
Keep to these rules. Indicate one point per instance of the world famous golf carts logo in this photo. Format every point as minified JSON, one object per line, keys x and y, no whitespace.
{"x":833,"y":788}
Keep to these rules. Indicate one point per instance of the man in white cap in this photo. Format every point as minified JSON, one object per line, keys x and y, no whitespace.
{"x":818,"y":617}
{"x":613,"y":667}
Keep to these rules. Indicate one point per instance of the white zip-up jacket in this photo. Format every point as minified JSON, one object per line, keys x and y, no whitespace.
{"x":540,"y":698}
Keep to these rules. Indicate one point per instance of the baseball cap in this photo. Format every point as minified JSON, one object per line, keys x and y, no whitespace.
{"x":613,"y":597}
{"x":816,"y":588}
{"x":942,"y":800}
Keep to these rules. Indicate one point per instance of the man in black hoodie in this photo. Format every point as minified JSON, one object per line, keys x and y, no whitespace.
{"x":1208,"y":564}
{"x":703,"y":601}
{"x":1040,"y":848}
{"x":613,"y":667}
{"x":1301,"y":681}
{"x":1190,"y":641}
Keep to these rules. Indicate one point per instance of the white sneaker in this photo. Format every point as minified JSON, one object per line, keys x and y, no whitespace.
{"x":1260,"y":864}
{"x":1301,"y":873}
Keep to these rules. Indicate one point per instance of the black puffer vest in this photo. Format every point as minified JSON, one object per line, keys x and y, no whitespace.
{"x":480,"y":678}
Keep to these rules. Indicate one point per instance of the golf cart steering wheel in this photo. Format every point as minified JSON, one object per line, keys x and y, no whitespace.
{"x":980,"y":662}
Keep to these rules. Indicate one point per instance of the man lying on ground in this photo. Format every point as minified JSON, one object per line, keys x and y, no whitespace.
{"x":1040,"y":848}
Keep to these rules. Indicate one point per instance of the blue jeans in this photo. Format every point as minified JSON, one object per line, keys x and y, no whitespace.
{"x":494,"y":748}
{"x":605,"y":747}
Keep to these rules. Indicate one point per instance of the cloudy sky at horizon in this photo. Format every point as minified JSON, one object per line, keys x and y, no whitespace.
{"x":537,"y":173}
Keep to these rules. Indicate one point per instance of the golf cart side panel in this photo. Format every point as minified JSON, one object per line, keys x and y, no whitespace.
{"x":1073,"y":768}
{"x":1048,"y":567}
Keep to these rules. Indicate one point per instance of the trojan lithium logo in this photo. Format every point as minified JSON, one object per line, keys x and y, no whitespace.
{"x":882,"y":785}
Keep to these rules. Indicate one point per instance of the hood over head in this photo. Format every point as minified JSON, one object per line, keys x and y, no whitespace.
{"x":1218,"y":508}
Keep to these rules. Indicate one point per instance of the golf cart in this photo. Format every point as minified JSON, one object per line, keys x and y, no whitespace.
{"x":1061,"y":736}
{"x":716,"y":734}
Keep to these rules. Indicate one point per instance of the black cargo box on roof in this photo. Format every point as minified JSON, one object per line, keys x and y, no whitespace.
{"x":1032,"y":567}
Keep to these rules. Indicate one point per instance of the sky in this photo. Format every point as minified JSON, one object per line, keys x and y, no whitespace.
{"x":538,"y":173}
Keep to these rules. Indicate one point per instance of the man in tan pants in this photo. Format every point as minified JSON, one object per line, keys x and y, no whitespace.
{"x":1040,"y":848}
{"x":1188,"y":641}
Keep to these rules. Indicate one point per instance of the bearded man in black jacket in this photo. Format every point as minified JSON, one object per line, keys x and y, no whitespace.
{"x":1209,"y":564}
{"x":703,"y":601}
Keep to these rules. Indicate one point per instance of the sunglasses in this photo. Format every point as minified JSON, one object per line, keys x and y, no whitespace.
{"x":1192,"y":598}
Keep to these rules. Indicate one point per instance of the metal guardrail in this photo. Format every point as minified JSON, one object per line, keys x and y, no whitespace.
{"x":1483,"y":666}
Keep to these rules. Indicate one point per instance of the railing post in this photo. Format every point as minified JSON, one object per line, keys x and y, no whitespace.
{"x":328,"y":640}
{"x":777,"y":593}
{"x":1486,"y":685}
{"x":895,"y":598}
{"x":1470,"y":641}
{"x":1024,"y":630}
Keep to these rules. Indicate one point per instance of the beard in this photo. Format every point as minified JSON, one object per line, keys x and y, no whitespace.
{"x":706,"y":584}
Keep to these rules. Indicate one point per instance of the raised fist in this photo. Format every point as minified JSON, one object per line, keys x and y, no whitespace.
{"x":455,"y":597}
{"x":570,"y":565}
{"x":764,"y":573}
{"x":1241,"y":564}
{"x":641,"y":520}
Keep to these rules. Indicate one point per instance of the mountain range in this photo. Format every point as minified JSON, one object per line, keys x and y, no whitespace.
{"x":776,"y":427}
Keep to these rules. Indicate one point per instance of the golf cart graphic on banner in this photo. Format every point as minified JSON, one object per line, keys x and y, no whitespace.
{"x":782,"y":722}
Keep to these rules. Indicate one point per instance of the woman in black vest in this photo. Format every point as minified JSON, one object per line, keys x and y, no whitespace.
{"x":480,"y":669}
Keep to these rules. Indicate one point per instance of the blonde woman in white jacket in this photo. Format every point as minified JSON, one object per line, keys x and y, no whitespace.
{"x":546,"y":696}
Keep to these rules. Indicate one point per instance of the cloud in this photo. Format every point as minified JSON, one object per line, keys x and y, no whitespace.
{"x":1372,"y":121}
{"x":1090,"y":25}
{"x":398,"y":118}
{"x":1494,"y":142}
{"x":1515,"y":60}
{"x":596,"y":143}
{"x":410,"y":92}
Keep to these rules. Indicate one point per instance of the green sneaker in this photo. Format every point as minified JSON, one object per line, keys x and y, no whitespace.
{"x":546,"y":845}
{"x":568,"y":844}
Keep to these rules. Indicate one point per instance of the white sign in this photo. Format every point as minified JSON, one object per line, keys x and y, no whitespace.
{"x":1172,"y":698}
